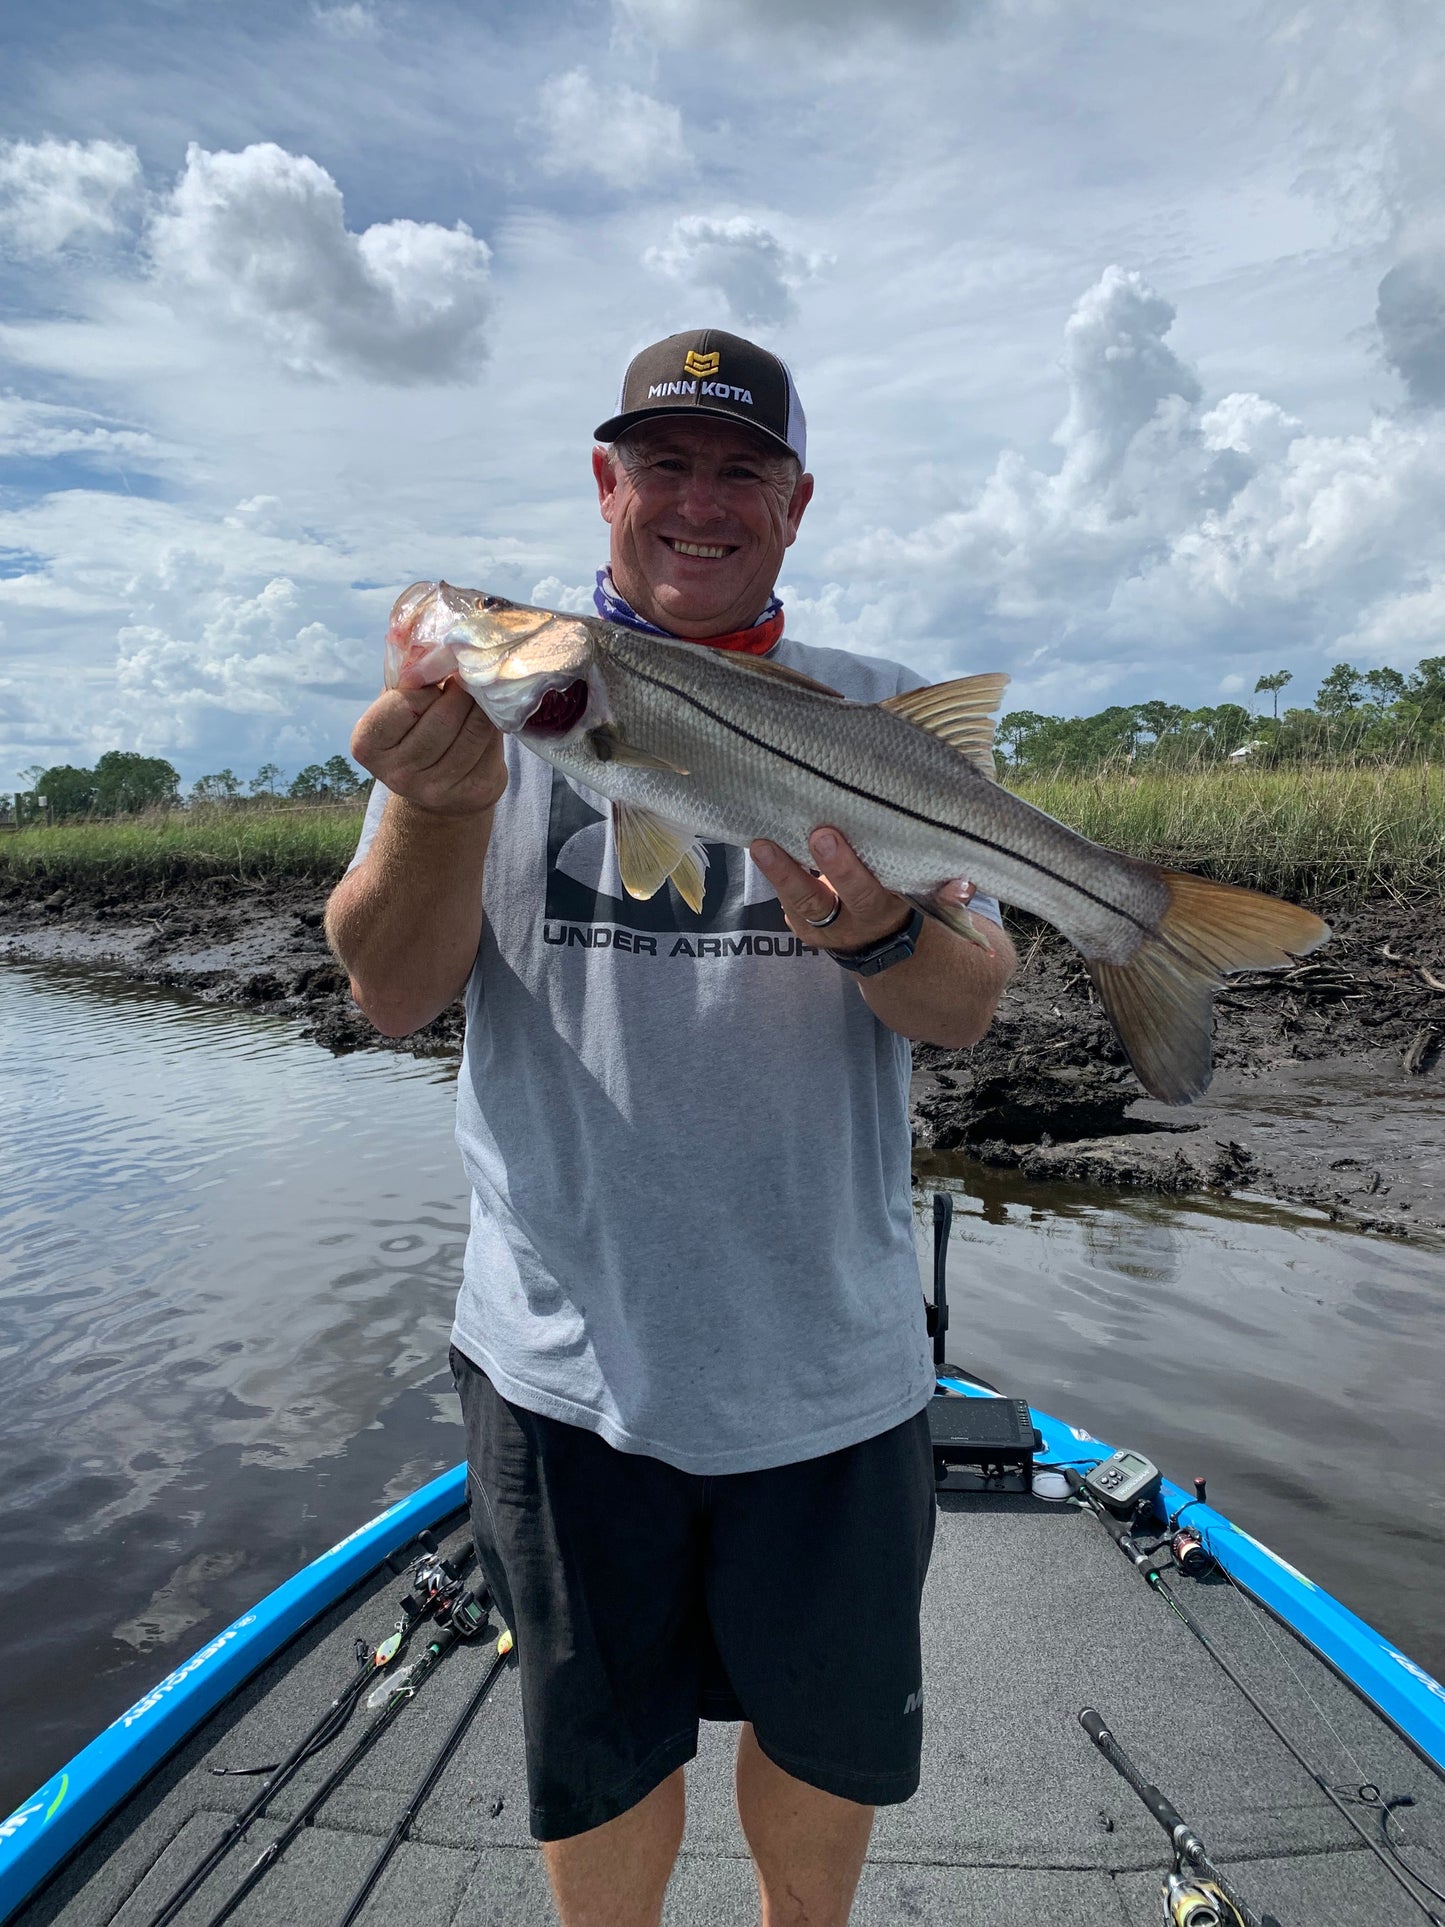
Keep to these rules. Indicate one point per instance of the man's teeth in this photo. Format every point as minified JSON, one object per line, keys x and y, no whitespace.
{"x":696,"y":548}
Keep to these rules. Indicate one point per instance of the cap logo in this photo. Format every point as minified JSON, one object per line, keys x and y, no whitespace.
{"x":696,"y":364}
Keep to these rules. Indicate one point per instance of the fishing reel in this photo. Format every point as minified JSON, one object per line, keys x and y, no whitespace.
{"x":434,"y":1580}
{"x":1187,"y":1549}
{"x":1192,"y":1902}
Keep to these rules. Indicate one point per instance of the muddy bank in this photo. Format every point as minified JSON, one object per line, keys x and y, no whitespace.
{"x":1330,"y":1086}
{"x":258,"y":944}
{"x":1330,"y":1089}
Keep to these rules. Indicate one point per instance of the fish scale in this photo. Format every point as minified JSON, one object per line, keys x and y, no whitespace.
{"x":694,"y":743}
{"x":786,"y":760}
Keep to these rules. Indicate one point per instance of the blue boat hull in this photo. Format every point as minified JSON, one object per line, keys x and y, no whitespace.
{"x":37,"y":1838}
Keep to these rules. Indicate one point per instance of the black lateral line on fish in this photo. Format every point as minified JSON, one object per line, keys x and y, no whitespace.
{"x":887,"y":803}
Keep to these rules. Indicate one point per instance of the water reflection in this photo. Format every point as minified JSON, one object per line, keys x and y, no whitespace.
{"x":227,"y":1265}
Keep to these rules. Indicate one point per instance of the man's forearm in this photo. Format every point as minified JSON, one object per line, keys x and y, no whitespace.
{"x":947,"y":991}
{"x":406,"y":923}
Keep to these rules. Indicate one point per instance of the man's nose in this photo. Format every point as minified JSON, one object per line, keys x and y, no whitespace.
{"x":701,"y":499}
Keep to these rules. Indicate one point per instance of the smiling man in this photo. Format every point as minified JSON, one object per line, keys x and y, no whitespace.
{"x":689,"y":1342}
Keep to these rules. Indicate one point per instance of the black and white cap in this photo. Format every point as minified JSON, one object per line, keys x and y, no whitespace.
{"x":709,"y":372}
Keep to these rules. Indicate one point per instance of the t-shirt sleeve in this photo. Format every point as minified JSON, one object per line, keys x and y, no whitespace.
{"x":375,"y":804}
{"x":982,"y":906}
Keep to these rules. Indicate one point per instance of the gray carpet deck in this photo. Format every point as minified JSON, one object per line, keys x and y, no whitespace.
{"x":1030,"y":1614}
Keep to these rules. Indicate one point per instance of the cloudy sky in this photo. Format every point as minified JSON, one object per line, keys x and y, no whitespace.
{"x":1121,"y":333}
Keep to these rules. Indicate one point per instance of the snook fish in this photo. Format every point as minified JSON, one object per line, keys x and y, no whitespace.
{"x":692,"y":743}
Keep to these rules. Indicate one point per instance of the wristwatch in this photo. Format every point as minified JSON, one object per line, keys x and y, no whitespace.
{"x":882,"y":955}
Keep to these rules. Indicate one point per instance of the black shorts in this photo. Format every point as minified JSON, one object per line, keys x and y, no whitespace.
{"x":643,"y":1598}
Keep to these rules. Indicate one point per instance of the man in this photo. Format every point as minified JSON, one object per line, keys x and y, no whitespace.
{"x":689,"y":1341}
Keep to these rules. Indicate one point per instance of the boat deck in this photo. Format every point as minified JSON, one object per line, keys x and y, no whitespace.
{"x":1030,"y":1614}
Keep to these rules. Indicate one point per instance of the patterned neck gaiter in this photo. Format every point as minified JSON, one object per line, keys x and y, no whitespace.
{"x":756,"y":641}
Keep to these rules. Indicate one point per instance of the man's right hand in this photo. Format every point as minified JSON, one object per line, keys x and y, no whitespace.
{"x":435,"y":747}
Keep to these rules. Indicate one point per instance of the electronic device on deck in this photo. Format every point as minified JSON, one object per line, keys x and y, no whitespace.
{"x":1122,"y":1482}
{"x":979,"y":1444}
{"x":982,"y":1444}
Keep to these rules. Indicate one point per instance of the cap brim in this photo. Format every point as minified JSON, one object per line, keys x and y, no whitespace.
{"x":616,"y":425}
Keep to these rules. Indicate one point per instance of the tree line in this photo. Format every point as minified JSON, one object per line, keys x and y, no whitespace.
{"x":123,"y":782}
{"x":1358,"y":715}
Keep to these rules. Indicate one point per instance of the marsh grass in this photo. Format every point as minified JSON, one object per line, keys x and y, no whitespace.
{"x":1325,"y":833}
{"x":163,"y":847}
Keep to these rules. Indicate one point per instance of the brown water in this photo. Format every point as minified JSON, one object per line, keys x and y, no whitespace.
{"x":227,"y":1263}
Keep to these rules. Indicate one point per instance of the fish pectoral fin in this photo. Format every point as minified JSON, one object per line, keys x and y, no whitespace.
{"x":1159,"y":1000}
{"x":952,"y":915}
{"x":959,"y":712}
{"x":775,"y":672}
{"x":650,"y":850}
{"x":609,"y":745}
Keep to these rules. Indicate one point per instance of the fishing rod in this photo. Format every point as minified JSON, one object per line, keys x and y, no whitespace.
{"x":1196,"y":1893}
{"x":1400,"y":1872}
{"x":465,"y":1619}
{"x":433,"y":1773}
{"x":436,"y":1588}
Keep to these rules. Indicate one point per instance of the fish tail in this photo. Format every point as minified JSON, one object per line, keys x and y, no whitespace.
{"x":1160,"y":1001}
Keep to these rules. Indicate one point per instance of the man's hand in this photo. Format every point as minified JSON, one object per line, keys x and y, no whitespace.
{"x":407,"y":920}
{"x":435,"y":747}
{"x":945,"y":993}
{"x":867,"y":912}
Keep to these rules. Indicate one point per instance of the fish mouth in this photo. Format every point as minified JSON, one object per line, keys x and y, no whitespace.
{"x":703,"y":551}
{"x":559,"y":710}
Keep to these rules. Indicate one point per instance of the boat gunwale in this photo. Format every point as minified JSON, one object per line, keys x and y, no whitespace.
{"x":78,"y":1799}
{"x":45,"y":1830}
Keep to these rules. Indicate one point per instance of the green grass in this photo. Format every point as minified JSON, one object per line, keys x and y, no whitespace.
{"x":1323,"y":832}
{"x":150,"y":851}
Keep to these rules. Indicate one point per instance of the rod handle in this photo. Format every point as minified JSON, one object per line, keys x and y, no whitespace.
{"x":1161,"y":1808}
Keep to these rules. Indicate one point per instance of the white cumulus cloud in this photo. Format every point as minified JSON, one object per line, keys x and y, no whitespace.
{"x":247,"y":654}
{"x":259,"y":240}
{"x":1168,"y":530}
{"x":740,"y":259}
{"x":57,"y":194}
{"x":626,"y":138}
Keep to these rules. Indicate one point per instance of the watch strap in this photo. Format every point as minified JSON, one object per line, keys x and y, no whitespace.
{"x":876,"y":957}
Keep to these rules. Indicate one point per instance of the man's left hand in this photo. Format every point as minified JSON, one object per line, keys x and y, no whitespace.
{"x":867,"y":912}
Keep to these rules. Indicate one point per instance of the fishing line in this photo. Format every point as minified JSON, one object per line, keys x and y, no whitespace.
{"x":1365,"y":1791}
{"x":1399,"y":1872}
{"x":1382,"y":1854}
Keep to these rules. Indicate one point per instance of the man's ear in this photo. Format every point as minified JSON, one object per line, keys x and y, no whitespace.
{"x":604,"y":472}
{"x":801,"y":496}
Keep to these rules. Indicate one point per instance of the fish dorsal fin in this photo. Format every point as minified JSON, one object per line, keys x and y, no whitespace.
{"x":960,"y":713}
{"x":756,"y":666}
{"x":650,"y":850}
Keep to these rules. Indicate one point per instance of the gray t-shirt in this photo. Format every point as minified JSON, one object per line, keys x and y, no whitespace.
{"x":688,"y":1144}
